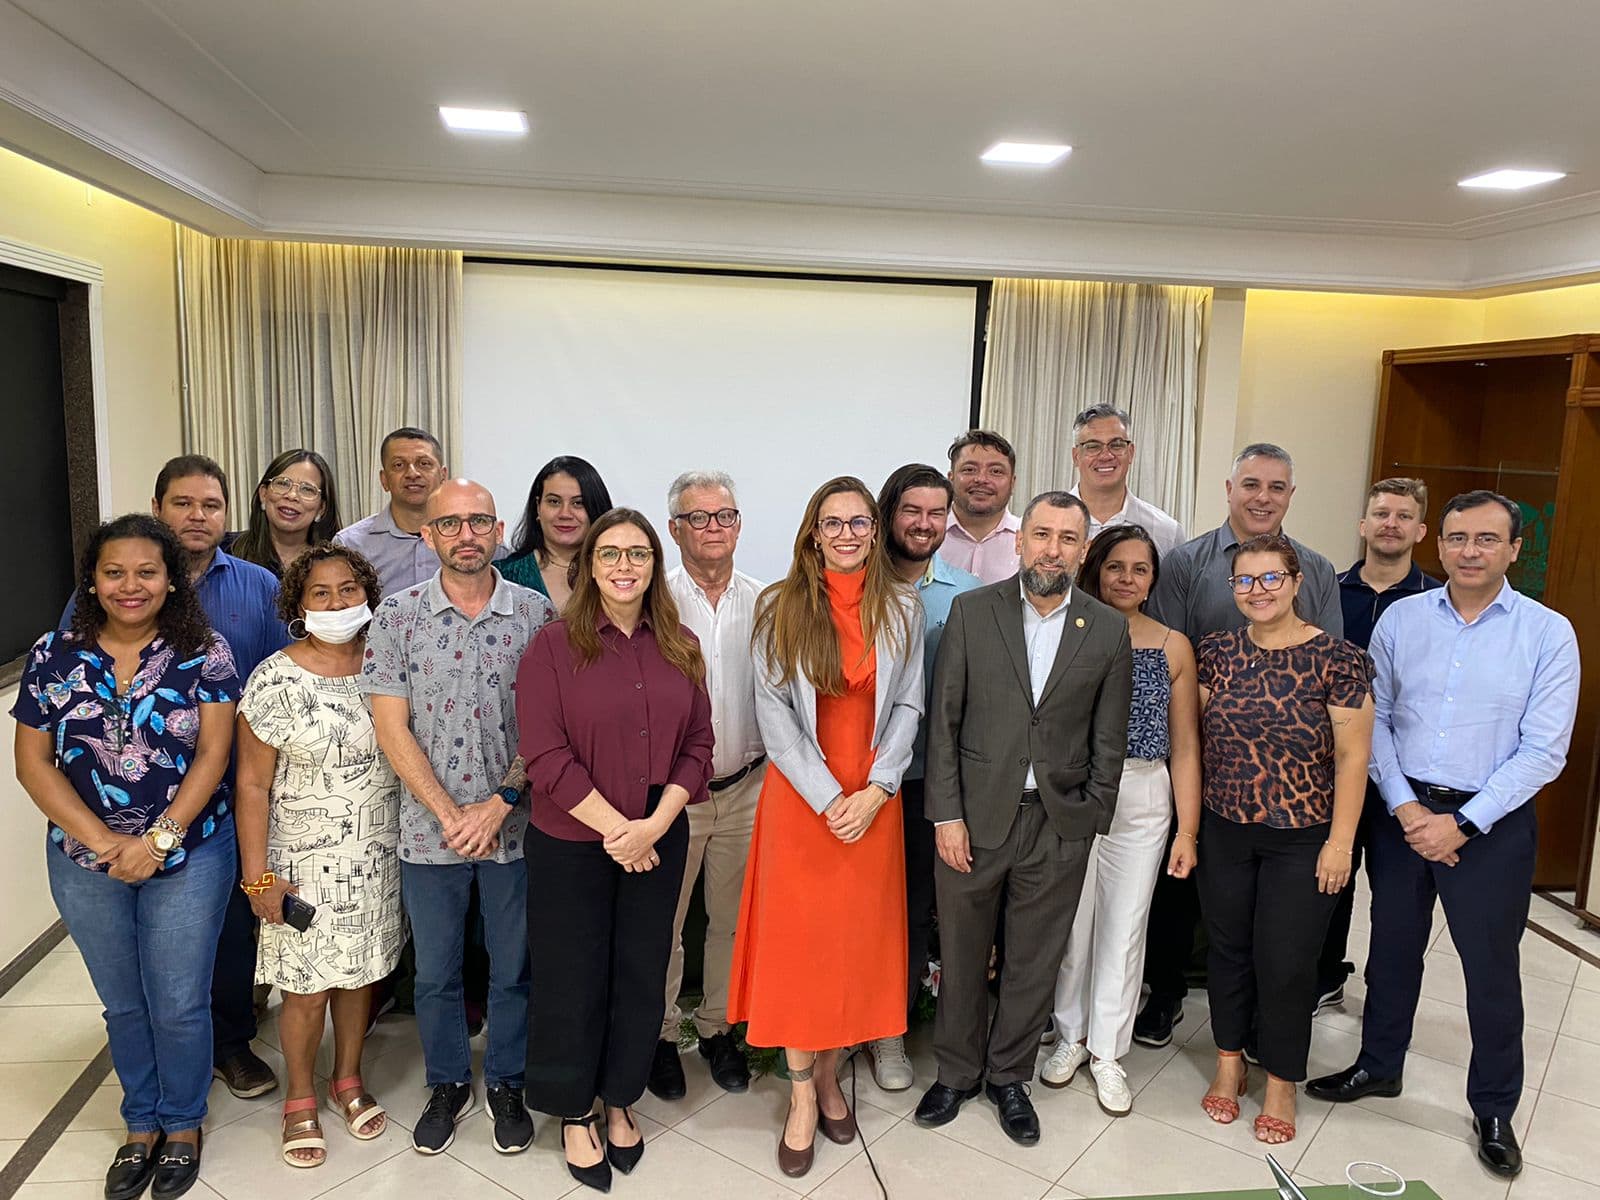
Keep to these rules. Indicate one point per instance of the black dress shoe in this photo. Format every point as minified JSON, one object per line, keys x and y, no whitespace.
{"x":1497,"y":1145}
{"x":1017,"y":1117}
{"x":1352,"y":1083}
{"x":130,"y":1171}
{"x":1156,"y":1020}
{"x":598,"y":1175}
{"x":177,"y":1168}
{"x":666,"y":1072}
{"x":940,"y":1104}
{"x":729,"y":1070}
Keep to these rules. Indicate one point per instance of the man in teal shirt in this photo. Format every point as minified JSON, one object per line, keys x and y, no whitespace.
{"x":915,"y":503}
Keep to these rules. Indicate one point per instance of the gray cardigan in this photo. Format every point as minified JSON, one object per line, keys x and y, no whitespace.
{"x":787,"y":716}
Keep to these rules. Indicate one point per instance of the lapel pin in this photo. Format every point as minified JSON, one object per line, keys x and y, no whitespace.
{"x":1080,"y":622}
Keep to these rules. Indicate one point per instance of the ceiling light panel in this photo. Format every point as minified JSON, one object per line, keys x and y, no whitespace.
{"x":1511,"y":179}
{"x":1025,"y":154}
{"x":484,"y":120}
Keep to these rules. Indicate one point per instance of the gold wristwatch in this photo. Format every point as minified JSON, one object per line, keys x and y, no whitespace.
{"x":162,"y":841}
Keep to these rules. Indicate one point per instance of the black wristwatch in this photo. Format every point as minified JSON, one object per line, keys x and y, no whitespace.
{"x":509,"y":794}
{"x":1468,"y":829}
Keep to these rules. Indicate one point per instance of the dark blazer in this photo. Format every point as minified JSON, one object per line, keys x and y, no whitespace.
{"x":984,"y":729}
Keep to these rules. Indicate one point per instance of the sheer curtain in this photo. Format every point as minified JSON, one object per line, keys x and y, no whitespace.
{"x":323,"y":347}
{"x":1056,"y":347}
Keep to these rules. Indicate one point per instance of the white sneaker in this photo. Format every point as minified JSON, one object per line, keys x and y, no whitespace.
{"x":1063,"y":1063}
{"x":1111,"y":1087}
{"x":890,"y":1066}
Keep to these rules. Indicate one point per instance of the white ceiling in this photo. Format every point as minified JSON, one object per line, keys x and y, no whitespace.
{"x":1350,"y":119}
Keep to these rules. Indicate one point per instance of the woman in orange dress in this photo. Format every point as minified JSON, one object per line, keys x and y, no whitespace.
{"x":819,"y":960}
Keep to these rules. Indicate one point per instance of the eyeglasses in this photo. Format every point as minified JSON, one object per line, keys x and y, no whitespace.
{"x":283,"y":486}
{"x":638,"y":556}
{"x":1270,"y":581}
{"x":700,"y":518}
{"x":1115,"y":445}
{"x":479,"y":523}
{"x":1483,"y":541}
{"x":833,"y":527}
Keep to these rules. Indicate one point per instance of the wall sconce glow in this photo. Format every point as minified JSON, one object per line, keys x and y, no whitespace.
{"x":1025,"y":154}
{"x":484,"y":120}
{"x":1510,"y":179}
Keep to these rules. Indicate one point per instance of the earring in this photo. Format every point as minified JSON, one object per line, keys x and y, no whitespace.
{"x":304,"y":632}
{"x":172,"y":587}
{"x":91,"y":591}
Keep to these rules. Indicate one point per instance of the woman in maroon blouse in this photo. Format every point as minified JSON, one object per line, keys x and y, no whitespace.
{"x":1285,"y":727}
{"x":615,"y":725}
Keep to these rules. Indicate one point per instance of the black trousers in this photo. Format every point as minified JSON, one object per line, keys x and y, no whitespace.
{"x":1266,"y":920}
{"x":233,"y":1012}
{"x":919,"y":886}
{"x":1486,"y":898}
{"x":1333,"y":968}
{"x":599,"y":939}
{"x":1169,"y":934}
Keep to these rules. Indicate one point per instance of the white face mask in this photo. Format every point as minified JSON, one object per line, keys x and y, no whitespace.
{"x":337,"y":626}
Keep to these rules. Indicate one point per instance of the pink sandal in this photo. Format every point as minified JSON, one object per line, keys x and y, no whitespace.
{"x":358,"y":1109}
{"x":305,"y":1134}
{"x":1224,"y":1110}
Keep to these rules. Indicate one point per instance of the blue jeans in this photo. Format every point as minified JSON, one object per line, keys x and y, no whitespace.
{"x":150,"y":948}
{"x":436,"y":902}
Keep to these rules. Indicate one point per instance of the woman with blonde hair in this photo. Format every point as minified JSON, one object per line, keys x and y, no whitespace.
{"x":820,"y":955}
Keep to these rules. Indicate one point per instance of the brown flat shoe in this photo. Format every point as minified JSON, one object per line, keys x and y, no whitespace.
{"x":794,"y":1163}
{"x":843,"y":1131}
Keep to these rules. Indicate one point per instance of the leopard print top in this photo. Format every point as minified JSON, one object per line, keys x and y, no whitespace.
{"x":1267,"y":743}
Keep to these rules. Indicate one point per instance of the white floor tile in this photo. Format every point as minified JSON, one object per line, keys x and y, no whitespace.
{"x":1574,"y":1071}
{"x":408,"y":1175}
{"x":1434,"y":1097}
{"x":1354,"y":1133}
{"x":675,"y":1168}
{"x":538,"y":1173}
{"x":63,"y":1033}
{"x":1139,"y":1156}
{"x":1535,"y":1183}
{"x":78,"y":1156}
{"x":103,"y":1109}
{"x":920,"y":1162}
{"x":1562,"y":1137}
{"x":1547,"y":960}
{"x":1069,"y":1122}
{"x":701,"y":1091}
{"x":54,"y":979}
{"x":28,"y":1091}
{"x":81,"y":1189}
{"x":1582,"y":1018}
{"x":245,"y":1159}
{"x":1588,"y":978}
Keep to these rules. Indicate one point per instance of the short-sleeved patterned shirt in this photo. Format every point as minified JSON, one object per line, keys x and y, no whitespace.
{"x":1267,"y":741}
{"x":126,"y":753}
{"x":459,"y":676}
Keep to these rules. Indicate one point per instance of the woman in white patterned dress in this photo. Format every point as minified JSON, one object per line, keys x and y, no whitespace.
{"x":318,"y":817}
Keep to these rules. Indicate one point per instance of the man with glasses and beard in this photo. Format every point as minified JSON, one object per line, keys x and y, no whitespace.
{"x":1027,"y":731}
{"x":915,"y":502}
{"x":441,"y":660}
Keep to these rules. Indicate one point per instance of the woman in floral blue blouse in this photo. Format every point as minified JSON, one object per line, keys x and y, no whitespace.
{"x":124,"y":724}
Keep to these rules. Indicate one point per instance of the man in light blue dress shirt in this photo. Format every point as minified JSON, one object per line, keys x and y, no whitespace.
{"x":1476,"y":689}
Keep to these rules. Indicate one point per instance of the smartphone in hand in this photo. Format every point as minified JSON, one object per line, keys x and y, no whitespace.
{"x":297,"y":912}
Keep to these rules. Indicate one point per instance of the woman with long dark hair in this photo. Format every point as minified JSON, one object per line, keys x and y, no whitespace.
{"x":819,"y":959}
{"x":294,"y":506}
{"x":615,"y":725}
{"x":124,"y":724}
{"x":566,"y":496}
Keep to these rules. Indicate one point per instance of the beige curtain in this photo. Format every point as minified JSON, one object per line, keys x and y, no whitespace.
{"x":323,"y":347}
{"x":1056,"y":347}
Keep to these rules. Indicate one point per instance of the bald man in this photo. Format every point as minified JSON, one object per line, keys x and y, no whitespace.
{"x":441,"y":659}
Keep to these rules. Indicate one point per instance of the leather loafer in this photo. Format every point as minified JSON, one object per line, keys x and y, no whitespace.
{"x":131,"y":1169}
{"x":177,"y":1168}
{"x":1017,"y":1117}
{"x":1497,"y":1145}
{"x":940,"y":1104}
{"x":1352,"y":1083}
{"x":729,"y":1070}
{"x":841,"y":1131}
{"x":666,"y":1072}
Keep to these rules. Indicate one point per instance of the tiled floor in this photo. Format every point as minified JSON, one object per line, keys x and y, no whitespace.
{"x":712,"y":1146}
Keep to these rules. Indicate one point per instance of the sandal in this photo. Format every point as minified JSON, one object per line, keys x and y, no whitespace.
{"x":1268,"y":1125}
{"x":1224,"y":1110}
{"x":304,"y":1134}
{"x":358,"y":1109}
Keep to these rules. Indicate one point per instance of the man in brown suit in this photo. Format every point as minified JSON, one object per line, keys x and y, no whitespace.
{"x":1027,"y":730}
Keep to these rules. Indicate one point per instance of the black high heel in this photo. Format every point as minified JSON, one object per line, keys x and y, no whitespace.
{"x":597,"y":1176}
{"x":625,"y":1158}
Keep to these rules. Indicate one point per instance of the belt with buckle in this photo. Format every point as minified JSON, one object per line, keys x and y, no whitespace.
{"x":1030,"y":796}
{"x":727,"y":781}
{"x":1451,"y":797}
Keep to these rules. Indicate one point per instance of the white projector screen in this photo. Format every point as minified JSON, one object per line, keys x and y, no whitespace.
{"x":783,"y":383}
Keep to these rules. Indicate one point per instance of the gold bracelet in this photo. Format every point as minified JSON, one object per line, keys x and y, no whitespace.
{"x":261,"y":886}
{"x":1190,"y":836}
{"x":1339,"y":848}
{"x":144,"y":840}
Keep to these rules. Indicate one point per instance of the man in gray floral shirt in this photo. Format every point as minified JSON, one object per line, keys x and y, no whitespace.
{"x":441,"y":665}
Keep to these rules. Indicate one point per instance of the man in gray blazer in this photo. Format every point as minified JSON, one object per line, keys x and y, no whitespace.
{"x":1027,"y":730}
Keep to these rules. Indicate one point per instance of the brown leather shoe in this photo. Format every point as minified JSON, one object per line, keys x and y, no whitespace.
{"x":842,"y":1131}
{"x":794,"y":1163}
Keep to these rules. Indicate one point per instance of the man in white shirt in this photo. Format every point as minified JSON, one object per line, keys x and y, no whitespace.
{"x":718,"y":603}
{"x":1102,"y":453}
{"x":981,"y":532}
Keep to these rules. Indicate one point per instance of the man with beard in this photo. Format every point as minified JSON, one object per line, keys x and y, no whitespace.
{"x":1027,"y":730}
{"x":915,"y":503}
{"x":981,"y":532}
{"x":441,"y":660}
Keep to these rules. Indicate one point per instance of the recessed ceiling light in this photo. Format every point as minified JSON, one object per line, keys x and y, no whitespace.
{"x":1025,"y":154}
{"x":1510,"y":179}
{"x":484,"y":120}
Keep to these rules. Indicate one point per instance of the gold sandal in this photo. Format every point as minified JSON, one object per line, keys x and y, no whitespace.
{"x":304,"y":1134}
{"x":358,"y":1109}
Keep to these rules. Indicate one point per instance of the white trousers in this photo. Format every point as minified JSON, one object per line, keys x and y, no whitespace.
{"x":1097,"y":990}
{"x":719,"y":843}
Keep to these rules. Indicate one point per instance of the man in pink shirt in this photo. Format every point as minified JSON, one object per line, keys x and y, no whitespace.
{"x":981,"y":532}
